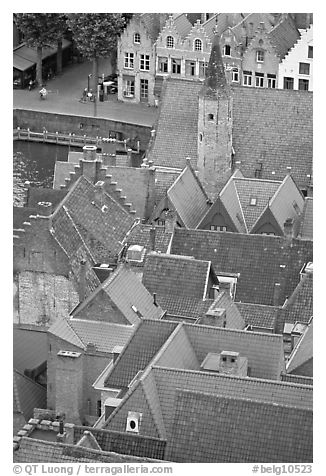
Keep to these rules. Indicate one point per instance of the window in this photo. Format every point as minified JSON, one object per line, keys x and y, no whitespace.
{"x":253,"y":201}
{"x":129,"y":60}
{"x":224,"y":359}
{"x":304,"y":68}
{"x":162,"y":64}
{"x":169,"y":42}
{"x":304,"y":84}
{"x":260,"y":56}
{"x":202,"y":69}
{"x":144,"y":62}
{"x":218,"y":228}
{"x":227,"y":50}
{"x":210,"y":117}
{"x":176,"y":66}
{"x":296,"y":207}
{"x":99,"y":407}
{"x":137,"y":38}
{"x":190,"y":68}
{"x":288,"y":83}
{"x":247,"y":78}
{"x":271,"y":81}
{"x":235,"y":75}
{"x":310,"y":51}
{"x":197,"y":45}
{"x":200,"y":137}
{"x":259,"y":80}
{"x":129,"y":87}
{"x":144,"y":88}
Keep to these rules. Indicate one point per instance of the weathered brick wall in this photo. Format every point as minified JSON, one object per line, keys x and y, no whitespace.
{"x":94,"y":364}
{"x":64,"y":123}
{"x":101,"y":308}
{"x":43,"y":298}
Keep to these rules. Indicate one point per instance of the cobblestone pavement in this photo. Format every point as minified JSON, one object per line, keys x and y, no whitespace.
{"x":65,"y":92}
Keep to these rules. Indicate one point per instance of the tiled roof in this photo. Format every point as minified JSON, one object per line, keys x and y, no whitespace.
{"x":299,"y":306}
{"x":188,"y":198}
{"x":107,"y":227}
{"x":176,"y":275}
{"x":306,"y":228}
{"x":61,"y":172}
{"x":126,"y":293}
{"x":80,"y":332}
{"x":302,"y":352}
{"x":255,"y":19}
{"x":258,"y":315}
{"x":176,"y":133}
{"x":219,"y":22}
{"x":283,"y":36}
{"x":144,"y":344}
{"x":261,"y":260}
{"x":164,"y":178}
{"x":237,"y":430}
{"x":140,"y":235}
{"x":183,"y":306}
{"x":21,"y":214}
{"x":39,"y":451}
{"x":234,"y":319}
{"x":182,"y":25}
{"x":269,"y":133}
{"x":152,"y":23}
{"x":300,"y":379}
{"x":215,"y":84}
{"x":27,"y":395}
{"x":30,"y":348}
{"x":42,"y":194}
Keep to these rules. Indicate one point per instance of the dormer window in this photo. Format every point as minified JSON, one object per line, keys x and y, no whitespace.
{"x":137,"y":38}
{"x":198,"y":45}
{"x":260,"y":55}
{"x":169,"y":42}
{"x":253,"y":201}
{"x":227,"y":50}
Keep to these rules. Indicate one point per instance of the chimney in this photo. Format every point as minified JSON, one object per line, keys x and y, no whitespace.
{"x":90,"y":163}
{"x":276,"y":294}
{"x":27,"y":193}
{"x":82,"y":281}
{"x":129,"y":154}
{"x":116,"y":352}
{"x":91,"y":347}
{"x":170,"y":221}
{"x":152,"y":236}
{"x":288,"y":228}
{"x":154,"y":300}
{"x":89,"y":152}
{"x":99,"y":192}
{"x":44,"y":209}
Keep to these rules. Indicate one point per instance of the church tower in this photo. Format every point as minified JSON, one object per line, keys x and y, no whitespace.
{"x":215,"y":126}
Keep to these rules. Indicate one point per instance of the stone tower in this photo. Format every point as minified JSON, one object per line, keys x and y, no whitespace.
{"x":214,"y":125}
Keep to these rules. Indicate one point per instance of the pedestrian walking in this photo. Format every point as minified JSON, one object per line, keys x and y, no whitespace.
{"x":84,"y":95}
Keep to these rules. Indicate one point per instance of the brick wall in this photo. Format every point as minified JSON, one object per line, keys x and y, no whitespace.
{"x":94,"y":364}
{"x":92,"y":127}
{"x":101,"y":308}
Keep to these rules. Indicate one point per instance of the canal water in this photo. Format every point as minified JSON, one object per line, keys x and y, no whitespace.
{"x":34,"y":161}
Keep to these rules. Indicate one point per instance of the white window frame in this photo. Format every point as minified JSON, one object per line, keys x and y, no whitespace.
{"x":259,"y":80}
{"x":246,"y":78}
{"x":129,"y":60}
{"x":129,"y":88}
{"x":196,"y":43}
{"x":176,"y":64}
{"x":143,"y":82}
{"x":160,"y":62}
{"x":169,"y":43}
{"x":235,"y":75}
{"x":224,"y":50}
{"x":258,"y":53}
{"x":271,"y":82}
{"x":137,"y":35}
{"x":144,"y":62}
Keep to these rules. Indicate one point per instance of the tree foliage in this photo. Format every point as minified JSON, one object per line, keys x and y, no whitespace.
{"x":95,"y":34}
{"x":38,"y":29}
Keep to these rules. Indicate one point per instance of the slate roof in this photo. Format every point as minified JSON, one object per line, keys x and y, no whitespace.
{"x":152,"y":23}
{"x":303,"y":351}
{"x":234,"y":319}
{"x":176,"y":132}
{"x":283,"y":36}
{"x":164,"y":178}
{"x":96,"y":227}
{"x":306,"y":228}
{"x":215,"y":84}
{"x":124,"y":291}
{"x":30,"y":348}
{"x":258,"y":315}
{"x":21,"y":214}
{"x":39,"y":451}
{"x":259,"y":259}
{"x":255,"y":19}
{"x":42,"y":194}
{"x":188,"y":198}
{"x":183,"y":307}
{"x":269,"y":133}
{"x":218,"y":23}
{"x":238,"y":430}
{"x":148,"y":338}
{"x":182,"y":24}
{"x":176,"y":275}
{"x":80,"y":332}
{"x":299,"y":306}
{"x":27,"y":395}
{"x":140,"y":235}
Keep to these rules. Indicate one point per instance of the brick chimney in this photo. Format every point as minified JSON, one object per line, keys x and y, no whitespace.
{"x":90,"y":163}
{"x":99,"y":192}
{"x":44,"y":209}
{"x":82,"y":281}
{"x":276,"y":294}
{"x":170,"y":221}
{"x":288,"y":228}
{"x":152,"y":236}
{"x":89,"y":152}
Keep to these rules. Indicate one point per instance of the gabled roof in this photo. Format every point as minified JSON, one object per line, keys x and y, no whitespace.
{"x":183,"y":307}
{"x":267,"y":134}
{"x":299,"y":306}
{"x":22,"y":214}
{"x":303,"y":351}
{"x":261,"y":260}
{"x":182,"y":24}
{"x":79,"y":332}
{"x":234,"y":319}
{"x":188,"y":197}
{"x":215,"y":84}
{"x":258,"y":315}
{"x":140,"y":235}
{"x":146,"y":341}
{"x":241,"y":29}
{"x":306,"y":228}
{"x":219,"y":22}
{"x":176,"y":132}
{"x":176,"y":275}
{"x":283,"y":36}
{"x":27,"y":395}
{"x":237,"y":430}
{"x":164,"y":178}
{"x":124,"y":292}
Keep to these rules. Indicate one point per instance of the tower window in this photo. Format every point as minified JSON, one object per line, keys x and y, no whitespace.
{"x":310,"y":51}
{"x":211,"y":117}
{"x":169,"y":42}
{"x":198,"y":45}
{"x":227,"y":50}
{"x":200,"y":137}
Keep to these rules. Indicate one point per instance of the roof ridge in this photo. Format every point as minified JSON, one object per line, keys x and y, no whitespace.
{"x":73,"y":330}
{"x":238,"y":331}
{"x":100,"y":323}
{"x":244,"y":220}
{"x":77,"y":231}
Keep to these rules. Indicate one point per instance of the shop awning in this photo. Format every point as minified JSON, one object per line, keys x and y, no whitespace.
{"x":24,"y":57}
{"x":22,"y":64}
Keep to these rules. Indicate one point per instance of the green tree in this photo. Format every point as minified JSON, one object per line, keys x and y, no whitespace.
{"x":60,"y":28}
{"x":95,"y":36}
{"x":39,"y":31}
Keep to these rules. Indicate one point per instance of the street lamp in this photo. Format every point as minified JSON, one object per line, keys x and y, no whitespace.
{"x":89,"y":77}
